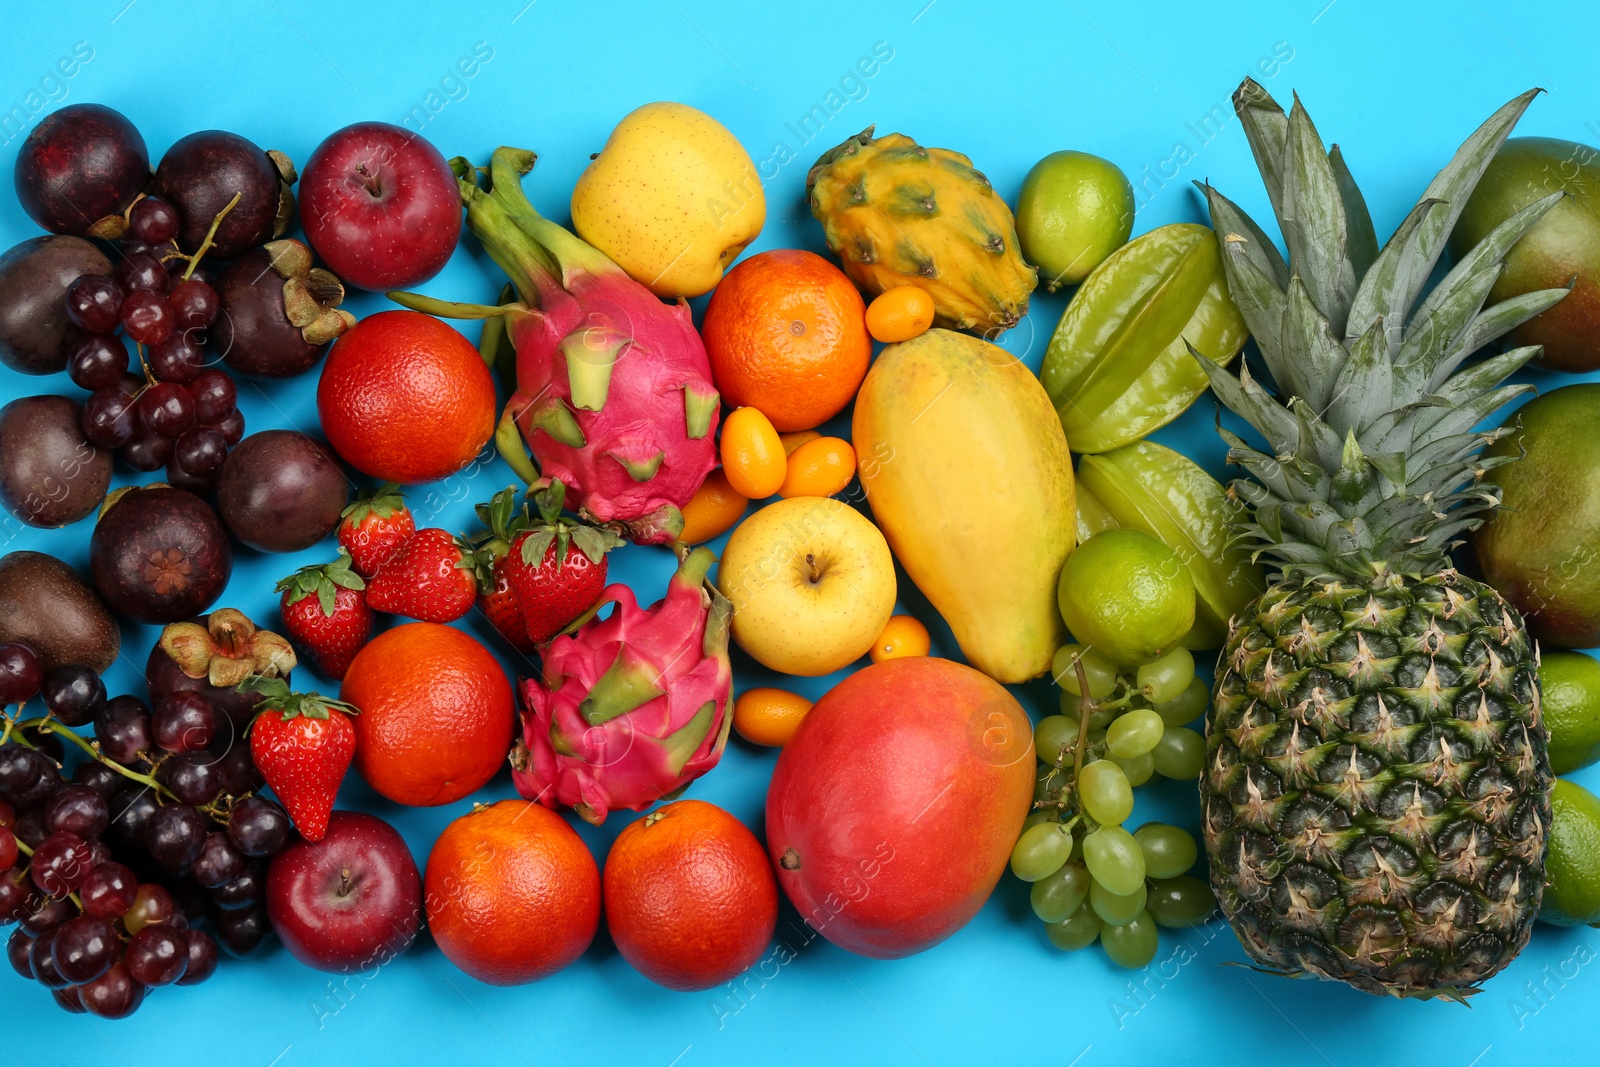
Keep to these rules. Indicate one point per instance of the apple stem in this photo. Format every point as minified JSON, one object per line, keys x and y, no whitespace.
{"x":369,"y":180}
{"x":345,"y":885}
{"x":811,"y":562}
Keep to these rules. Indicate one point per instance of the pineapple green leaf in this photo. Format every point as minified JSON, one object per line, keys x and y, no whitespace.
{"x":1230,"y":222}
{"x":1255,"y":294}
{"x":1318,"y":442}
{"x":1244,"y":397}
{"x":1362,"y":380}
{"x":1386,"y":290}
{"x":1499,"y":319}
{"x":1312,"y":216}
{"x":1311,"y":357}
{"x":1266,"y":127}
{"x":1361,"y":240}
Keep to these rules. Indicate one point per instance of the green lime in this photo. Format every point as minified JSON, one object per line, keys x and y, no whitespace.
{"x":1075,"y":210}
{"x":1572,"y":869}
{"x":1571,"y":685}
{"x":1127,"y":596}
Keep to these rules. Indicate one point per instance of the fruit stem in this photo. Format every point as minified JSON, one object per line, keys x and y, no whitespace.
{"x":211,"y":236}
{"x":22,"y":846}
{"x":43,"y":726}
{"x":1085,"y":708}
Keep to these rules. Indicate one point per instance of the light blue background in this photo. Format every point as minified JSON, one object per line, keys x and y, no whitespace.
{"x":1005,"y":83}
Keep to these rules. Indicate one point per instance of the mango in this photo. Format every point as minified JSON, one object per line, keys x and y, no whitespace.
{"x":968,"y":475}
{"x":672,"y":198}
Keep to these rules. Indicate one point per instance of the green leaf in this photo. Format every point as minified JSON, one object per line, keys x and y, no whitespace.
{"x":536,"y":545}
{"x":1230,"y":222}
{"x":1267,"y":129}
{"x":1362,"y":388}
{"x":1311,"y":357}
{"x":1312,"y":215}
{"x":1361,"y":240}
{"x":326,"y":597}
{"x":1387,"y":289}
{"x":1256,"y":295}
{"x":1499,"y":319}
{"x":1245,"y":398}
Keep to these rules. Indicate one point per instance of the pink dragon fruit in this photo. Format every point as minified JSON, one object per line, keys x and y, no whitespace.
{"x":632,"y":707}
{"x":614,"y":393}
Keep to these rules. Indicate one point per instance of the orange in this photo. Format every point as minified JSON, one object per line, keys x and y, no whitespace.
{"x":690,"y":898}
{"x":900,"y":313}
{"x":787,"y":333}
{"x":819,"y":468}
{"x":434,"y":713}
{"x":765,"y":716}
{"x":512,"y":894}
{"x":752,"y":455}
{"x":405,"y":398}
{"x":904,"y":636}
{"x":713,"y":509}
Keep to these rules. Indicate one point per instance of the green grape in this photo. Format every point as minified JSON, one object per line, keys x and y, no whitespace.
{"x":1076,"y":931}
{"x":1181,"y":901}
{"x":1040,"y":851}
{"x":1166,"y":678}
{"x":1137,"y":769}
{"x":1100,"y":718}
{"x":1188,"y":705}
{"x":1133,"y":944}
{"x":1105,"y":792}
{"x":1059,"y":895}
{"x":1051,"y":734}
{"x":1168,"y":850}
{"x":1036,"y":817}
{"x":1134,"y":733}
{"x":1101,"y":674}
{"x":1114,"y":909}
{"x":1114,"y":859}
{"x":1180,"y":753}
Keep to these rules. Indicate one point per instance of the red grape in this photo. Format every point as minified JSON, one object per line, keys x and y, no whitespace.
{"x":141,"y":271}
{"x":179,"y":358}
{"x":214,"y":396}
{"x":60,"y":863}
{"x":114,"y":995}
{"x":109,"y":418}
{"x":84,"y":948}
{"x":166,"y":408}
{"x":94,"y":302}
{"x":123,"y":729}
{"x":157,"y":954}
{"x":98,"y":362}
{"x":148,"y":452}
{"x":194,"y":303}
{"x":79,"y":810}
{"x":231,"y":426}
{"x":151,"y":904}
{"x":146,"y":317}
{"x":203,"y":958}
{"x":108,"y":891}
{"x":153,"y":220}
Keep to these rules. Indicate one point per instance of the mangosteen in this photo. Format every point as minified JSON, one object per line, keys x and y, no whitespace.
{"x":281,"y":491}
{"x":80,"y":170}
{"x":159,"y":554}
{"x":50,"y":475}
{"x":36,"y":337}
{"x":279,"y":313}
{"x":211,"y":655}
{"x":201,"y":174}
{"x":44,"y":604}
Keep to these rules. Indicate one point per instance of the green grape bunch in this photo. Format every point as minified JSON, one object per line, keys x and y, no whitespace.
{"x":1092,"y":879}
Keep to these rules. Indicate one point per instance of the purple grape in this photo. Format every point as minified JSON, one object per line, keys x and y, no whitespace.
{"x":97,"y":776}
{"x":18,"y":946}
{"x":79,"y":810}
{"x":214,"y":395}
{"x":110,"y":418}
{"x":194,"y":303}
{"x":193,"y":777}
{"x":46,"y":914}
{"x":258,"y":827}
{"x":153,"y":220}
{"x":146,"y":317}
{"x":174,"y":835}
{"x":203,"y":958}
{"x":238,"y":774}
{"x":246,"y":890}
{"x":130,"y":813}
{"x":114,"y":995}
{"x":166,"y":408}
{"x":148,"y":452}
{"x":157,"y":954}
{"x":99,"y":362}
{"x":231,"y":426}
{"x":41,"y":958}
{"x":123,"y":729}
{"x":141,"y":271}
{"x":200,"y":452}
{"x":241,"y":932}
{"x":94,"y":302}
{"x":84,"y":948}
{"x":73,"y":692}
{"x":179,"y":358}
{"x":69,"y":999}
{"x":184,"y":721}
{"x":21,"y":673}
{"x":108,"y":891}
{"x":218,"y":863}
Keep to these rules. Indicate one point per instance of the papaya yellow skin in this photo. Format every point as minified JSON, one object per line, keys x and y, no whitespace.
{"x":966,"y":468}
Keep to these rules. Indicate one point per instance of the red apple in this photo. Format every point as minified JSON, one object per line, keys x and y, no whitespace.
{"x":350,"y":902}
{"x":380,"y":206}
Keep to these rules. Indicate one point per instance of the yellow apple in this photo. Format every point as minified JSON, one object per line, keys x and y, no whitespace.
{"x":672,"y":198}
{"x":812,"y":584}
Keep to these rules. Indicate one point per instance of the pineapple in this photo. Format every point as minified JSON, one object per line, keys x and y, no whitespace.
{"x":896,"y":213}
{"x":1376,"y":788}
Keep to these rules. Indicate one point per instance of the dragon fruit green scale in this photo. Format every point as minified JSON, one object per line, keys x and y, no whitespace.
{"x":632,"y":707}
{"x":614,"y":393}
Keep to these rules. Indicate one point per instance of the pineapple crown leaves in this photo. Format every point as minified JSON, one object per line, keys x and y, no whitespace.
{"x":324,"y":580}
{"x":1374,"y":454}
{"x":383,"y":502}
{"x":278,"y":697}
{"x":554,"y":528}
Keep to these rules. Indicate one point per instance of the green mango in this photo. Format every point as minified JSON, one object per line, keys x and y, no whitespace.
{"x":1152,"y":488}
{"x":1118,"y":366}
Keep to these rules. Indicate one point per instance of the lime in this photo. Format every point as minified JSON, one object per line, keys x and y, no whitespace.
{"x":1571,"y":684}
{"x":1127,"y":596}
{"x":1075,"y":210}
{"x":1572,"y":869}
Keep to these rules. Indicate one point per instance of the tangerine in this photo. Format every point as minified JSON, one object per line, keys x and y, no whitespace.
{"x":689,"y":895}
{"x":434,"y":713}
{"x":512,"y":894}
{"x":767,"y":716}
{"x":405,"y":398}
{"x":786,"y":332}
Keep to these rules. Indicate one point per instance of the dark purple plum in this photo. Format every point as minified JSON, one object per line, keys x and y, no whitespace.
{"x":281,"y":491}
{"x":45,"y":604}
{"x":202,"y":172}
{"x":80,"y":169}
{"x":36,"y":337}
{"x":50,"y":475}
{"x":159,"y":554}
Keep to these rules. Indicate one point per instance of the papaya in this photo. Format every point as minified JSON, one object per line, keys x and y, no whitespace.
{"x":942,"y":420}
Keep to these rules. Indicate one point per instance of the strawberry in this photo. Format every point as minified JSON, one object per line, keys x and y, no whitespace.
{"x":302,"y":743}
{"x":557,"y":567}
{"x":335,"y":622}
{"x":503,"y":520}
{"x":374,"y":526}
{"x":431,"y":577}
